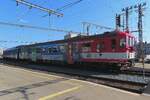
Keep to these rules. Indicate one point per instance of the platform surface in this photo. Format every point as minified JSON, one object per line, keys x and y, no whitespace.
{"x":140,"y":65}
{"x":23,"y":84}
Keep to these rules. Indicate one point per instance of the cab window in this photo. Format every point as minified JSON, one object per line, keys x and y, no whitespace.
{"x":130,"y":41}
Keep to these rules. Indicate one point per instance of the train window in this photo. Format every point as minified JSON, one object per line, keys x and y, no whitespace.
{"x":100,"y":46}
{"x":55,"y":50}
{"x":43,"y":49}
{"x":38,"y":50}
{"x":113,"y":43}
{"x":129,"y":41}
{"x":86,"y":47}
{"x":49,"y":50}
{"x":62,"y":48}
{"x":132,"y":43}
{"x":122,"y":42}
{"x":75,"y":47}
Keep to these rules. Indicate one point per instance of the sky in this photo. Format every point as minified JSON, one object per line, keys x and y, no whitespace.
{"x":100,"y":12}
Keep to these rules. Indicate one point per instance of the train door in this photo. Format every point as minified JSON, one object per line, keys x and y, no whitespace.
{"x":100,"y":47}
{"x":113,"y":44}
{"x":18,"y":53}
{"x":33,"y":54}
{"x":76,"y":53}
{"x":69,"y":53}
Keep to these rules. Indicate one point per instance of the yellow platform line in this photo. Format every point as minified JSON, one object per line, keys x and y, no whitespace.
{"x":71,"y":82}
{"x":59,"y":93}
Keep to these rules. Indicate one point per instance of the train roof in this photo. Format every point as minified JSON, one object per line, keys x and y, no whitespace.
{"x":105,"y":34}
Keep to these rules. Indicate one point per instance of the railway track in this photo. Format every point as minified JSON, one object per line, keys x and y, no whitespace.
{"x":136,"y":71}
{"x":130,"y":82}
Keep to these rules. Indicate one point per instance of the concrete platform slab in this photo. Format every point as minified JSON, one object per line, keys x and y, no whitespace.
{"x":21,"y":84}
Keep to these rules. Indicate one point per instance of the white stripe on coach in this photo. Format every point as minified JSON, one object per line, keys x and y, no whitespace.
{"x":124,"y":55}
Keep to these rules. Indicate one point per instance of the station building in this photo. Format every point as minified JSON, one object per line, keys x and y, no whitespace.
{"x":147,"y":48}
{"x":1,"y":52}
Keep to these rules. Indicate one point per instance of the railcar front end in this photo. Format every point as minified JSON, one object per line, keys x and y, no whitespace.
{"x":110,"y":48}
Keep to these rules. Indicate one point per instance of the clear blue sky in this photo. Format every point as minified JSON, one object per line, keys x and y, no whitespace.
{"x":96,"y":11}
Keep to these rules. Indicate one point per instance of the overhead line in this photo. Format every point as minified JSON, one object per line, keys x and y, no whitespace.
{"x":100,"y":26}
{"x":36,"y":27}
{"x":5,"y":41}
{"x":68,"y":5}
{"x":31,"y":5}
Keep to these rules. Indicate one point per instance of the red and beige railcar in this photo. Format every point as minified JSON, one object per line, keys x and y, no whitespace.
{"x":114,"y":47}
{"x":111,"y":47}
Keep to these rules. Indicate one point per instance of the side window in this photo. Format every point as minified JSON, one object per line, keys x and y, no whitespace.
{"x":86,"y":47}
{"x":100,"y":46}
{"x":49,"y":50}
{"x":113,"y":43}
{"x":122,"y":42}
{"x":44,"y":50}
{"x":38,"y":50}
{"x":55,"y":50}
{"x":29,"y":50}
{"x":62,"y":48}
